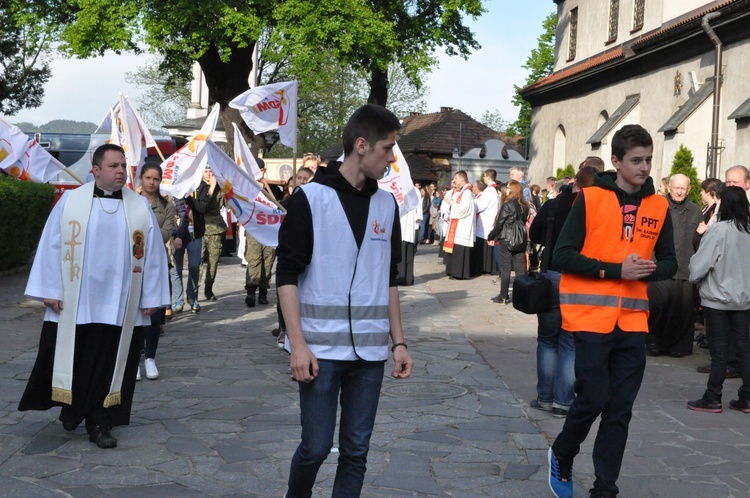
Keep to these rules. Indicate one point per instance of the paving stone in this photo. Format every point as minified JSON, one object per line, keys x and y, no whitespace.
{"x":223,"y":418}
{"x":519,"y":471}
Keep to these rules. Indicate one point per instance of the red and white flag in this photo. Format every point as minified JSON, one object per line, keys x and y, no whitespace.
{"x":271,"y":107}
{"x":397,"y":181}
{"x":24,"y":158}
{"x":261,"y":217}
{"x":182,"y":172}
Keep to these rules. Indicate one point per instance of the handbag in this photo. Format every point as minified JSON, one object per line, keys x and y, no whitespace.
{"x":518,"y":239}
{"x":532,"y":293}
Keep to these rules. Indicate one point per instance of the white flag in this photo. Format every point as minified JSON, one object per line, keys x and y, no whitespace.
{"x":182,"y":172}
{"x":128,"y":130}
{"x":261,"y":217}
{"x":397,"y":180}
{"x":244,"y":157}
{"x":244,"y":197}
{"x":24,"y":158}
{"x":271,"y":107}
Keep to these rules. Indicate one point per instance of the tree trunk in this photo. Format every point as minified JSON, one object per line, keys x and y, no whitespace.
{"x":378,"y":87}
{"x":225,"y":81}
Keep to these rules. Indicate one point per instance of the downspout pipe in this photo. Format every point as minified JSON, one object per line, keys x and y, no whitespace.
{"x":714,"y":147}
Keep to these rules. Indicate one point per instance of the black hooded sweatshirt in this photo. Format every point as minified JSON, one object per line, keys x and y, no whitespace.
{"x":295,"y":248}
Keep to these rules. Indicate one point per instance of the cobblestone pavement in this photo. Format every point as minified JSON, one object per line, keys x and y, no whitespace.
{"x":223,"y":418}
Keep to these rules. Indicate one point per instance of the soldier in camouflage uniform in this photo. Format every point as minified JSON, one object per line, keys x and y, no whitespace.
{"x":206,"y":203}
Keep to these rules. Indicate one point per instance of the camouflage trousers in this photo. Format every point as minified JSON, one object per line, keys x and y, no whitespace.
{"x":211,"y":253}
{"x":259,"y":264}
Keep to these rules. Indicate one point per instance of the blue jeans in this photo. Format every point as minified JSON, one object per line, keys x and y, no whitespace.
{"x":194,"y":268}
{"x":609,"y":371}
{"x":424,"y":228}
{"x":359,"y":384}
{"x":555,"y":354}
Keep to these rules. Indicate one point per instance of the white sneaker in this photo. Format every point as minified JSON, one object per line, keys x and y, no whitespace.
{"x":138,"y":373}
{"x":280,"y":340}
{"x":151,"y":371}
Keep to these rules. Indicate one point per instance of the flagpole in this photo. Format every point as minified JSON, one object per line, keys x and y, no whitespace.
{"x":67,"y":170}
{"x":159,"y":151}
{"x":270,"y":195}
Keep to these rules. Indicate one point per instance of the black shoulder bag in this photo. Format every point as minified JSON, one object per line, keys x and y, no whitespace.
{"x":532,"y":293}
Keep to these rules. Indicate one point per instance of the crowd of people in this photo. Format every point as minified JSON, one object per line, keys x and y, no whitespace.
{"x":631,"y":269}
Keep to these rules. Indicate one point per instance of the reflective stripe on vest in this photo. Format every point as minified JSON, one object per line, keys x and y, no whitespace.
{"x":598,"y":305}
{"x":599,"y":300}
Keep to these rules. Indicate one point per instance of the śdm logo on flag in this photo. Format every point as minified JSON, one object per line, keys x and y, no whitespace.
{"x":271,"y":107}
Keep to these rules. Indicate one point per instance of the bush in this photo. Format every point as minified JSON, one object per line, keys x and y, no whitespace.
{"x":24,"y":207}
{"x":568,"y":171}
{"x":683,"y":163}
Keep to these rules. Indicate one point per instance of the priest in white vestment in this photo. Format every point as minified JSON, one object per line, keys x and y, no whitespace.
{"x":460,"y":236}
{"x":101,"y":270}
{"x":487,"y":205}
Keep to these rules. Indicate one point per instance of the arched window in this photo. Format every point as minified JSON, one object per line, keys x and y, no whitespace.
{"x":603,"y":117}
{"x":558,"y":154}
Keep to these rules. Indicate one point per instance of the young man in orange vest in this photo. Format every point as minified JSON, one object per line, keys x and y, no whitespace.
{"x":606,"y":252}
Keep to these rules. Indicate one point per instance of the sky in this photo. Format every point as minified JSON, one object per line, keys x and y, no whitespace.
{"x":83,"y":90}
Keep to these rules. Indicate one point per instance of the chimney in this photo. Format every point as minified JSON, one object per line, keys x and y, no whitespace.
{"x":446,"y":109}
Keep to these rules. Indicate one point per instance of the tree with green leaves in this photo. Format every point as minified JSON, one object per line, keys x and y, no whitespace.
{"x":220,"y":35}
{"x":24,"y":55}
{"x":683,"y":164}
{"x":540,"y":63}
{"x":494,"y":120}
{"x":163,"y":101}
{"x":408,"y":33}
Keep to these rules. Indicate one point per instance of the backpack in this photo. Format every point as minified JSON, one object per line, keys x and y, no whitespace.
{"x":519,"y":235}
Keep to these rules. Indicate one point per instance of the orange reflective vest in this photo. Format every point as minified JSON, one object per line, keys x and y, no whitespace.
{"x":598,"y":304}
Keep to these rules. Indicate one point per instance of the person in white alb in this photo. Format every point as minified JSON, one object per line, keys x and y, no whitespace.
{"x":101,"y":270}
{"x":487,"y":204}
{"x":460,"y":235}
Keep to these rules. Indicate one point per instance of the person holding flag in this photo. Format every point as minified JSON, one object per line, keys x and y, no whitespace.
{"x":208,"y":223}
{"x":259,"y":258}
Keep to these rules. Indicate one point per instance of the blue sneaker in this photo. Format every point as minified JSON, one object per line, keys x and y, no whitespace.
{"x":560,"y":478}
{"x":194,"y":306}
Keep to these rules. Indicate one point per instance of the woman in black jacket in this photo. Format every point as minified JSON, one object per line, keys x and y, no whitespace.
{"x":514,"y":210}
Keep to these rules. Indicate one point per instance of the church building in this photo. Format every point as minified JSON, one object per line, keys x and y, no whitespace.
{"x":676,"y":67}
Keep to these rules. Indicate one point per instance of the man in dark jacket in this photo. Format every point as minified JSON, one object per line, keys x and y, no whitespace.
{"x":671,"y":323}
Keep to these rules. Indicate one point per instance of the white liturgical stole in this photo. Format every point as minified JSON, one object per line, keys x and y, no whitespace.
{"x":74,"y":226}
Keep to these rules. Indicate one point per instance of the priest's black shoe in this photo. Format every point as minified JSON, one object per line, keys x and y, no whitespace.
{"x":71,"y":425}
{"x":250,"y":300}
{"x":652,"y":350}
{"x":102,"y":436}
